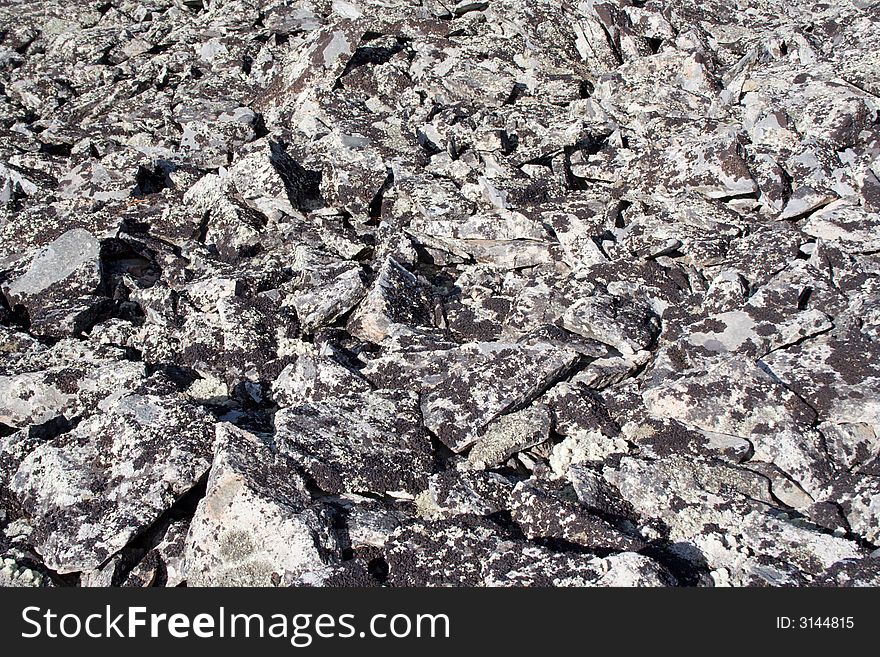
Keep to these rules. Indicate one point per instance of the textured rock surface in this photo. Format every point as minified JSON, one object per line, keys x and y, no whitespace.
{"x":256,"y":525}
{"x":386,"y":292}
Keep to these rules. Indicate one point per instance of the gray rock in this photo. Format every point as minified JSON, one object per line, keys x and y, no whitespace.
{"x":396,"y":301}
{"x":92,"y":490}
{"x":56,"y":288}
{"x":622,"y":324}
{"x":542,"y":511}
{"x":466,"y":388}
{"x":366,"y":442}
{"x":477,"y":290}
{"x":741,"y":540}
{"x":510,"y":434}
{"x":256,"y":525}
{"x":450,"y":553}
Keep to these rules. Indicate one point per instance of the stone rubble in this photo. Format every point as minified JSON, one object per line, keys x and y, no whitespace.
{"x":421,"y":293}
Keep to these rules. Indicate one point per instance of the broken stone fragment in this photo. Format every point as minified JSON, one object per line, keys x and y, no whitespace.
{"x":625,"y":325}
{"x":316,"y":378}
{"x":736,"y":397}
{"x":37,"y":397}
{"x":451,"y":553}
{"x":361,"y":442}
{"x":256,"y":525}
{"x":93,"y":489}
{"x":836,"y":375}
{"x":464,"y":389}
{"x":319,"y":302}
{"x":371,"y":527}
{"x":848,"y":224}
{"x":510,"y":434}
{"x":397,"y":300}
{"x":740,"y":539}
{"x":542,"y":511}
{"x":58,"y":285}
{"x":464,"y":492}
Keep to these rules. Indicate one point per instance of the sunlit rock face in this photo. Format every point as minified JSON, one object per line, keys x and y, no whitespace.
{"x":383,"y":292}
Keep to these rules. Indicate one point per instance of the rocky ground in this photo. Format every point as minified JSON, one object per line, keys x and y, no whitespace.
{"x":425,"y":292}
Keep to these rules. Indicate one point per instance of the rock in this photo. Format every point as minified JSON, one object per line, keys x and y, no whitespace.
{"x":543,"y":512}
{"x":316,"y":378}
{"x":93,"y":489}
{"x":447,"y":553}
{"x":58,"y":286}
{"x":65,"y":382}
{"x":858,"y":498}
{"x":464,"y":389}
{"x":852,"y":572}
{"x":19,"y":575}
{"x":318,"y":305}
{"x":464,"y":492}
{"x":397,"y":301}
{"x":508,"y":435}
{"x":741,"y":541}
{"x":614,"y":321}
{"x":846,"y":223}
{"x":484,"y":293}
{"x":371,"y":528}
{"x":367,"y":442}
{"x":256,"y":525}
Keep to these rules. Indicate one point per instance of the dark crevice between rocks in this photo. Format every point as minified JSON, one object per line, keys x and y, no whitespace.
{"x":375,"y":206}
{"x":440,"y":451}
{"x":617,"y":212}
{"x":508,"y":526}
{"x":378,"y":569}
{"x":586,"y":89}
{"x":730,"y":198}
{"x":692,"y":570}
{"x":152,"y":180}
{"x":259,"y":126}
{"x":303,"y":186}
{"x":654,"y":43}
{"x":563,"y":546}
{"x":371,"y":55}
{"x":56,"y":150}
{"x":51,"y":429}
{"x":804,"y":298}
{"x":519,"y":90}
{"x":14,"y":316}
{"x":242,"y":411}
{"x":126,"y":257}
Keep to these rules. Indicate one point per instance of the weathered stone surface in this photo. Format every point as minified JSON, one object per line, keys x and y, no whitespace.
{"x":542,"y":511}
{"x":467,"y":293}
{"x":740,"y":540}
{"x":471,"y":552}
{"x":93,"y":489}
{"x":60,"y":285}
{"x":367,"y":442}
{"x":396,"y":301}
{"x":510,"y":434}
{"x":256,"y":525}
{"x":466,"y":388}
